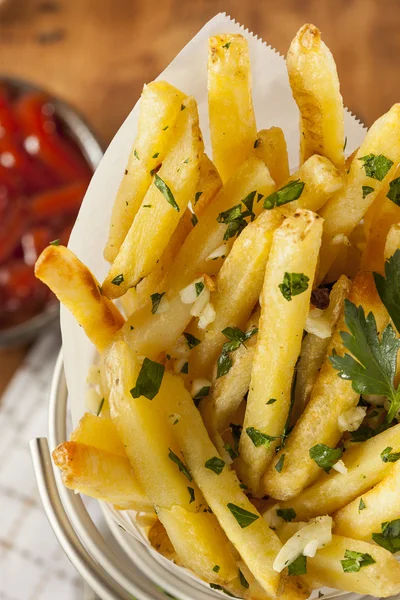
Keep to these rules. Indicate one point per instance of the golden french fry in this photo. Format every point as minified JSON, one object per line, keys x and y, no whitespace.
{"x":331,"y":396}
{"x":338,"y":266}
{"x":155,"y":333}
{"x":371,"y":171}
{"x":98,"y":432}
{"x":79,"y":291}
{"x":257,"y":544}
{"x":364,"y":516}
{"x":285,"y":301}
{"x":392,"y":241}
{"x":315,"y":85}
{"x":160,"y":541}
{"x":365,"y":469}
{"x":151,"y":445}
{"x":313,"y":350}
{"x":100,"y":474}
{"x":163,"y":205}
{"x":230,"y":105}
{"x":270,"y":146}
{"x":228,"y":391}
{"x":208,"y":186}
{"x":238,"y":284}
{"x":160,"y":105}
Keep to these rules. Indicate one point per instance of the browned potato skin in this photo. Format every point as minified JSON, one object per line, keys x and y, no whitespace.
{"x":78,"y":289}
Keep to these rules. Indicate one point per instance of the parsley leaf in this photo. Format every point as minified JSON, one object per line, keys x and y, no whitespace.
{"x":236,"y":337}
{"x":324,"y":456}
{"x":149,"y":380}
{"x":202,"y":393}
{"x":242,"y":516}
{"x":118,"y":279}
{"x":194,"y":220}
{"x":232,"y":453}
{"x":215,"y":464}
{"x":389,"y":287}
{"x":376,"y":166}
{"x":135,"y":154}
{"x":216,"y":568}
{"x":289,"y":192}
{"x":235,"y":218}
{"x":389,"y":538}
{"x":248,"y":202}
{"x":287,"y":514}
{"x":166,"y":192}
{"x":226,"y":45}
{"x":100,"y":407}
{"x":191,"y":340}
{"x":191,"y":494}
{"x":293,"y":284}
{"x":373,"y":365}
{"x":155,"y":301}
{"x":199,"y":287}
{"x":181,"y":466}
{"x":394,"y":191}
{"x":353,"y":561}
{"x":388,"y":456}
{"x":260,"y":439}
{"x":55,"y":243}
{"x":366,"y":190}
{"x":361,"y":505}
{"x":271,"y":401}
{"x":243,"y":581}
{"x":185,"y":368}
{"x":216,"y":586}
{"x":298,"y":566}
{"x":197,"y":197}
{"x":279,"y":464}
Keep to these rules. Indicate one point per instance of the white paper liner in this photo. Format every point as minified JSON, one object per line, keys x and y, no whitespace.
{"x":274,"y":106}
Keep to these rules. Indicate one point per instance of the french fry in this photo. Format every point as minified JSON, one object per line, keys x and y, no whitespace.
{"x":98,"y":432}
{"x":100,"y":474}
{"x":313,"y":350}
{"x":386,"y":214}
{"x":141,"y":426}
{"x":365,"y":469}
{"x":392,"y":241}
{"x":159,"y":539}
{"x":230,"y":105}
{"x":238,"y":284}
{"x":325,"y":567}
{"x":293,"y":254}
{"x":208,"y":186}
{"x":339,"y":264}
{"x":270,"y":146}
{"x":163,"y":205}
{"x":160,"y":105}
{"x":254,"y":540}
{"x":364,"y":182}
{"x":315,"y":86}
{"x":331,"y":396}
{"x":364,"y":516}
{"x":228,"y":391}
{"x":155,"y":333}
{"x":79,"y":291}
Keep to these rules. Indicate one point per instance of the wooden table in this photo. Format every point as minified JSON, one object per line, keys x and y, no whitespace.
{"x":97,"y":54}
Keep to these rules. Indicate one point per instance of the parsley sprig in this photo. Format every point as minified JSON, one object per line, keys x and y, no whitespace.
{"x":236,"y":337}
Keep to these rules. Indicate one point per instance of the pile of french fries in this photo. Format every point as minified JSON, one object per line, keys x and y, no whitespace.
{"x":214,"y":390}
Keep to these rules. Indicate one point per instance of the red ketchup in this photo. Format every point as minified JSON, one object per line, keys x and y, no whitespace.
{"x":43,"y":178}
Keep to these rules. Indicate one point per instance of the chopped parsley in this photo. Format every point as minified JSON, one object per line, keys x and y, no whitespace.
{"x":345,"y":143}
{"x":185,"y":368}
{"x":202,"y":393}
{"x":216,"y":586}
{"x":100,"y":407}
{"x":279,"y":464}
{"x":165,"y":128}
{"x":215,"y":464}
{"x":366,"y":190}
{"x":194,"y":220}
{"x":155,"y":155}
{"x":236,"y":337}
{"x":149,"y":380}
{"x":192,"y":341}
{"x":183,"y":107}
{"x":293,"y":284}
{"x":135,"y":154}
{"x":372,"y":366}
{"x":260,"y":439}
{"x":389,"y":538}
{"x":324,"y":456}
{"x":216,"y":569}
{"x":181,"y":466}
{"x":155,"y":301}
{"x":235,"y":218}
{"x":197,"y":197}
{"x":376,"y":166}
{"x":354,"y":561}
{"x":191,"y":494}
{"x":271,"y":401}
{"x":166,"y":192}
{"x":388,"y":456}
{"x":394,"y":191}
{"x":298,"y":566}
{"x":242,"y":516}
{"x":55,"y":243}
{"x":249,"y":202}
{"x":199,"y":287}
{"x":232,"y":453}
{"x":226,"y":45}
{"x":257,"y":143}
{"x":361,"y":505}
{"x":243,"y":581}
{"x":118,"y":279}
{"x":287,"y":514}
{"x":288,"y":193}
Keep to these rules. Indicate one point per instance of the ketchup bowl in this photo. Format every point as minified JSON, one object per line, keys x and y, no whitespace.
{"x":47,"y":157}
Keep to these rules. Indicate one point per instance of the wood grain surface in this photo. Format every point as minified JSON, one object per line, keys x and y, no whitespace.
{"x":97,"y":54}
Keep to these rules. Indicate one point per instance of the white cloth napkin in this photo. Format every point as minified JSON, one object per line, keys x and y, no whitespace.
{"x":32,"y":564}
